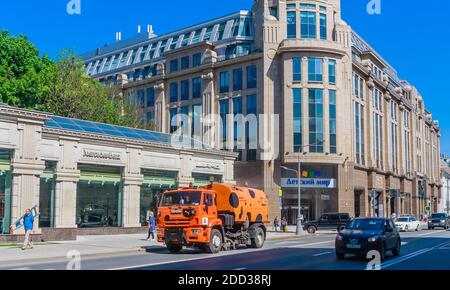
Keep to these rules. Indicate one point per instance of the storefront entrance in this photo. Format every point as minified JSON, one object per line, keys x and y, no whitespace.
{"x":5,"y":191}
{"x":47,"y":196}
{"x":99,"y":197}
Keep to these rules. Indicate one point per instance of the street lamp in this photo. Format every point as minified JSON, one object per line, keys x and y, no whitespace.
{"x":299,"y":228}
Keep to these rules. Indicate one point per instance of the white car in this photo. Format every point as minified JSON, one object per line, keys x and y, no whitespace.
{"x":406,"y":224}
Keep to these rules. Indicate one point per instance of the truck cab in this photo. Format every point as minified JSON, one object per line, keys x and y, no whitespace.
{"x":206,"y":218}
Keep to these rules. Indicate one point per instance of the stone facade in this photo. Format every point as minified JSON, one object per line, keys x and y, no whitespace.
{"x":378,"y":145}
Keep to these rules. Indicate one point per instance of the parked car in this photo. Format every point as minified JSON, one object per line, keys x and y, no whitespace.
{"x":327,"y":221}
{"x":363,"y":235}
{"x":406,"y":224}
{"x":439,"y":220}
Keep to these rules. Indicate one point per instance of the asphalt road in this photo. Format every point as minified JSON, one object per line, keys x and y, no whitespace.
{"x":424,"y":250}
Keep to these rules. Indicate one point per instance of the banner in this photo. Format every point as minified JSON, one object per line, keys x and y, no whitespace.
{"x":308,"y":183}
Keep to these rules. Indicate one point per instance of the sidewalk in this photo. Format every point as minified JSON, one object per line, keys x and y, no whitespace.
{"x":92,"y":246}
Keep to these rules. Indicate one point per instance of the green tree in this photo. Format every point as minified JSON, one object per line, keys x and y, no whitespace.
{"x":24,"y":80}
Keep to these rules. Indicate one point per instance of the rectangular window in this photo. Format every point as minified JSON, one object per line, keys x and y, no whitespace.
{"x":237,"y":79}
{"x":197,"y":60}
{"x":323,"y":26}
{"x":357,"y":132}
{"x":292,"y":24}
{"x":173,"y":92}
{"x":224,"y":111}
{"x":316,"y":120}
{"x":251,"y":77}
{"x":174,"y":65}
{"x":141,"y":98}
{"x":315,"y":69}
{"x":183,"y":118}
{"x":296,"y":69}
{"x":333,"y":131}
{"x":332,"y":71}
{"x":185,"y":63}
{"x":185,"y":90}
{"x":251,"y":129}
{"x":150,"y":97}
{"x":196,"y":88}
{"x":224,"y":82}
{"x":308,"y":24}
{"x":237,"y":126}
{"x":172,"y":120}
{"x":297,"y":107}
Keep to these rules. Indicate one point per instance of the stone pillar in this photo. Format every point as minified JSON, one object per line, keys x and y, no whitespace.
{"x":228,"y":171}
{"x":209,"y":109}
{"x":67,"y":177}
{"x":27,"y":167}
{"x":185,"y":174}
{"x":160,"y":108}
{"x":132,"y":182}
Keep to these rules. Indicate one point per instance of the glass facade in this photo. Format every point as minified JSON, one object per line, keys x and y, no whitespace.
{"x":316,"y":120}
{"x":297,"y":108}
{"x":315,"y":69}
{"x":296,"y":69}
{"x":237,"y":79}
{"x":251,"y":77}
{"x":47,"y":196}
{"x":99,"y":197}
{"x":332,"y":113}
{"x":5,"y":191}
{"x":292,"y":24}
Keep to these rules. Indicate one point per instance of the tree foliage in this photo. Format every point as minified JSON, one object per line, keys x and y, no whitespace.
{"x":61,"y":88}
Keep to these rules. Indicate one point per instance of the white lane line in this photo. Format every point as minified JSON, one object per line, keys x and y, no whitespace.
{"x":429,"y":233}
{"x":312,"y":244}
{"x":21,"y":269}
{"x":240,"y":269}
{"x":321,"y":254}
{"x":404,"y":243}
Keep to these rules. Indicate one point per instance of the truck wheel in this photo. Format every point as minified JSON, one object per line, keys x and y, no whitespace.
{"x":215,"y":242}
{"x":174,"y":249}
{"x":258,"y":241}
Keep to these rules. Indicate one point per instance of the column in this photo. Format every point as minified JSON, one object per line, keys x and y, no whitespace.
{"x":160,"y":108}
{"x":209,"y":109}
{"x":67,"y":177}
{"x":185,"y":174}
{"x":132,"y":182}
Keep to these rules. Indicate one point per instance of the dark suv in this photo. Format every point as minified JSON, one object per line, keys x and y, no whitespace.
{"x":439,"y":220}
{"x":328,"y":221}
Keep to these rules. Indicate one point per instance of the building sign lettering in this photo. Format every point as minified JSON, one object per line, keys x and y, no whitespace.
{"x":308,"y":183}
{"x":101,"y":155}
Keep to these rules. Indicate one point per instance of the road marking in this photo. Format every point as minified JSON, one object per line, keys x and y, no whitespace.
{"x":321,"y":254}
{"x":404,"y":243}
{"x":240,"y":269}
{"x":20,"y":269}
{"x":312,"y":244}
{"x":430,"y":233}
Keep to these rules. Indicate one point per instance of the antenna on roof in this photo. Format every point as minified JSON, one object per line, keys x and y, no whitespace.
{"x":150,"y":29}
{"x":139,"y":29}
{"x":118,"y":36}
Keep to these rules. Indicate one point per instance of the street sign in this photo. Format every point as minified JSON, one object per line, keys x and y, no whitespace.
{"x":427,"y":208}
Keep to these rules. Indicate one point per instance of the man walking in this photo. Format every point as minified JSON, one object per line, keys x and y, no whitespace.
{"x":28,"y":221}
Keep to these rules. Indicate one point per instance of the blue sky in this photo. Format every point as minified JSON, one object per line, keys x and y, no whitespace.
{"x":418,"y":47}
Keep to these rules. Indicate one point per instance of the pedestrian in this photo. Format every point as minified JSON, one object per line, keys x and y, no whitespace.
{"x":275,"y":224}
{"x":151,"y":226}
{"x":283,"y":225}
{"x":28,"y":221}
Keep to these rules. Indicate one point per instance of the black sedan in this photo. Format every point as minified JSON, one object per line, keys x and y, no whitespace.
{"x":362,"y":235}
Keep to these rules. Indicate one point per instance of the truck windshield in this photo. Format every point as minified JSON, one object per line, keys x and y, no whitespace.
{"x":181,"y":198}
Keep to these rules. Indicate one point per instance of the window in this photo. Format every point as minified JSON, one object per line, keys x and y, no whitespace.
{"x":224,"y":82}
{"x":377,"y":123}
{"x":316,"y":120}
{"x":296,"y":69}
{"x":323,"y":26}
{"x":251,"y":77}
{"x":184,"y":62}
{"x":291,"y":6}
{"x":237,"y":126}
{"x":297,"y":107}
{"x":197,"y":60}
{"x":360,"y":135}
{"x":185,"y":90}
{"x":308,"y":24}
{"x":141,"y":98}
{"x":183,"y":119}
{"x":150,"y":116}
{"x":150,"y":97}
{"x":332,"y":71}
{"x":173,"y":92}
{"x":224,"y":111}
{"x":251,"y":129}
{"x":196,"y":88}
{"x":174,"y":65}
{"x":315,"y":69}
{"x":292,"y":24}
{"x":197,"y":130}
{"x":307,"y":6}
{"x":333,"y":132}
{"x":237,"y":79}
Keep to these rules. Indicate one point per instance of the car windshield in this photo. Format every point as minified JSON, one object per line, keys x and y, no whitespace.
{"x":181,"y":198}
{"x":402,"y":219}
{"x":365,"y":224}
{"x":438,"y":216}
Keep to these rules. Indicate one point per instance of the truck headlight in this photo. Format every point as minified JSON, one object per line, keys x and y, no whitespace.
{"x":196,"y":232}
{"x":373,"y":239}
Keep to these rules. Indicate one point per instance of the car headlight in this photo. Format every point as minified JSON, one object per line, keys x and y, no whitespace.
{"x":373,"y":239}
{"x":339,"y":237}
{"x":443,"y":221}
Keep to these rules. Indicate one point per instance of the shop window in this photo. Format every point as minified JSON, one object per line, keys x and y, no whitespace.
{"x":47,"y":196}
{"x":99,"y":196}
{"x":5,"y":191}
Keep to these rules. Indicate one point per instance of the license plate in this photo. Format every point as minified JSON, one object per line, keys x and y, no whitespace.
{"x":352,"y":246}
